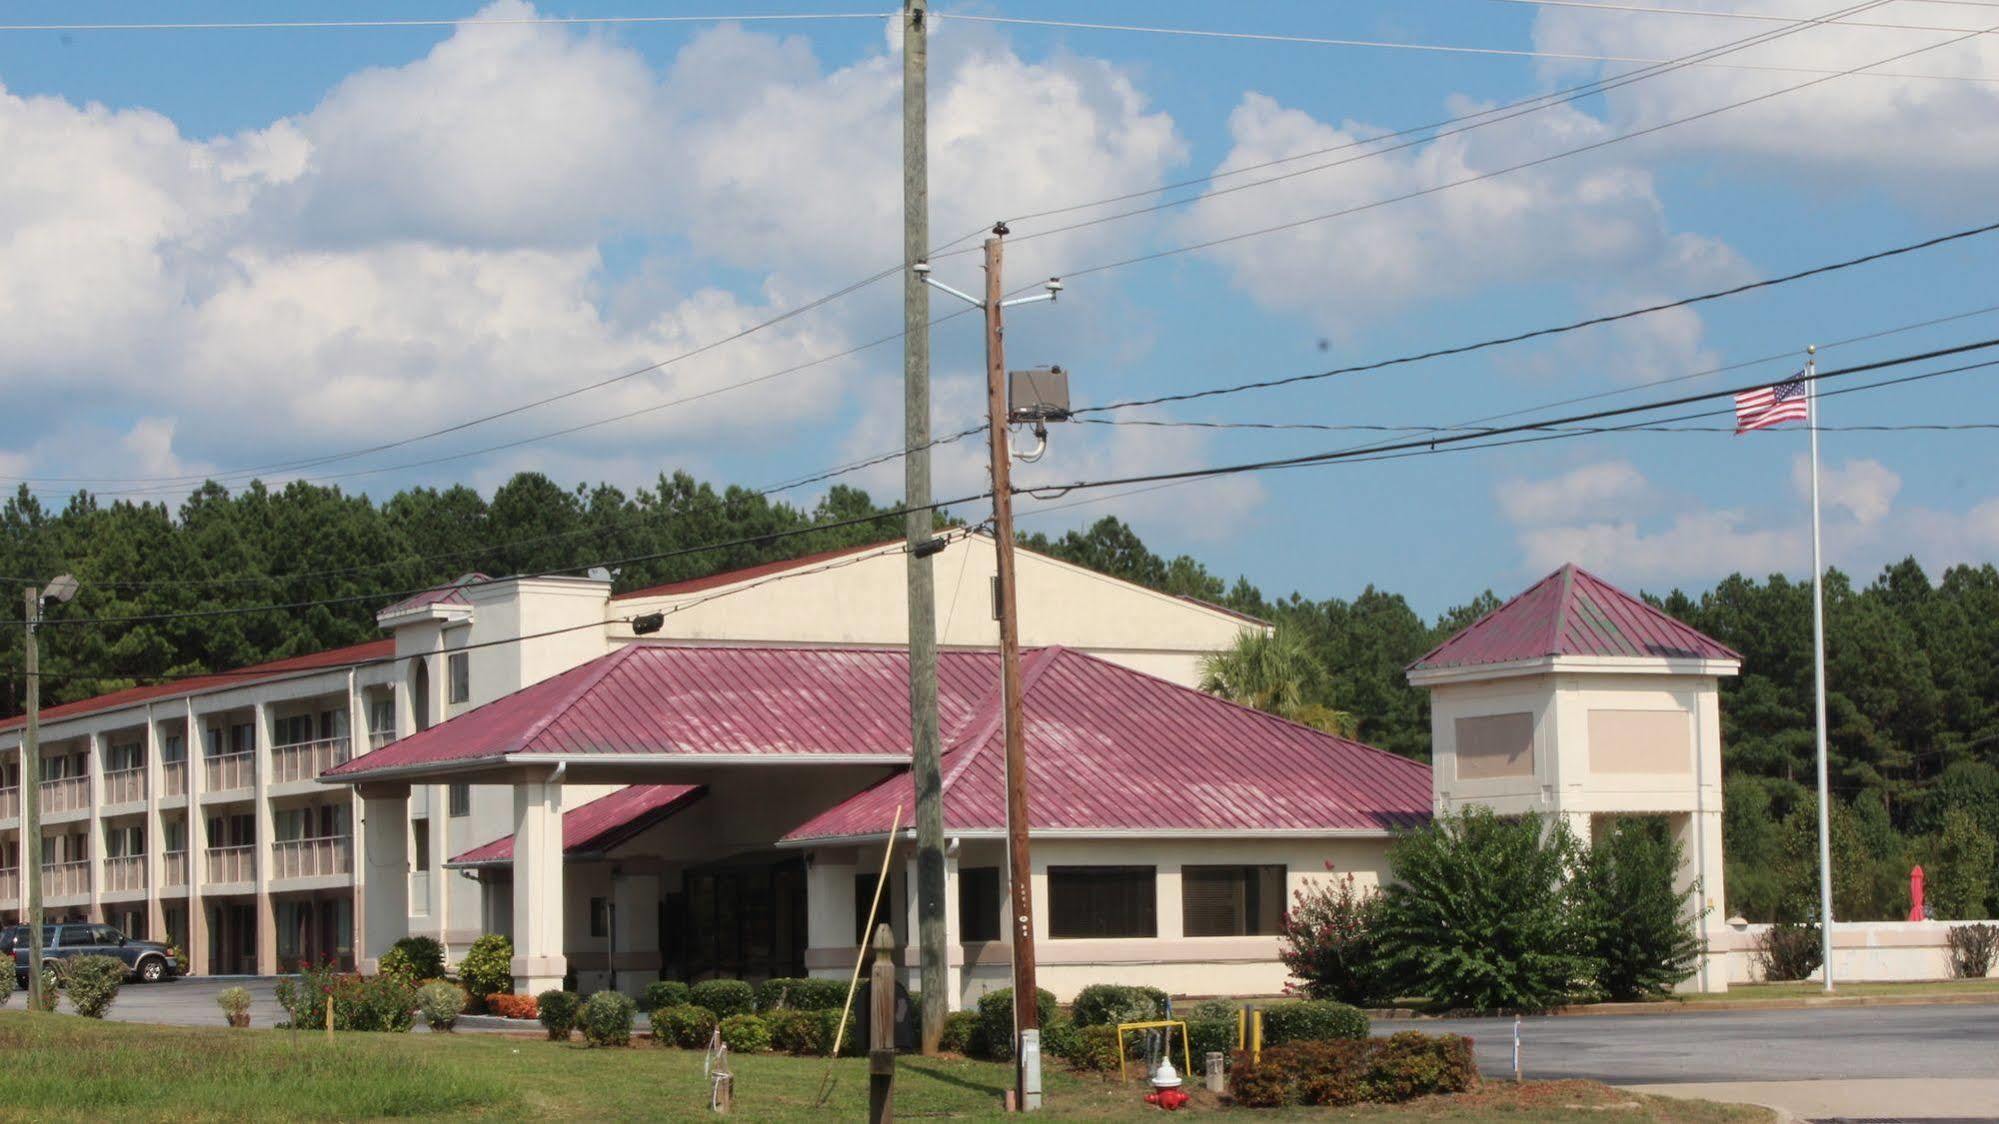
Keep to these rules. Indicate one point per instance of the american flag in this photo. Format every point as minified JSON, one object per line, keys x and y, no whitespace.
{"x":1773,"y":405}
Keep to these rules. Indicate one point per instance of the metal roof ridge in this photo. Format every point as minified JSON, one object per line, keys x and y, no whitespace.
{"x":584,"y":685}
{"x":1038,"y":661}
{"x":1558,"y":622}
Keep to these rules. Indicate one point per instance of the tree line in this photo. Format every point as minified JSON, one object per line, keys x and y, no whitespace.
{"x":1913,"y":663}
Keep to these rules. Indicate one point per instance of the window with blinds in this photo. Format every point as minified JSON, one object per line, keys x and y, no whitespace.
{"x":1102,"y":901}
{"x":1231,"y":901}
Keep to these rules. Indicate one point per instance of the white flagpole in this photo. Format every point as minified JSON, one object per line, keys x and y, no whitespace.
{"x":1818,"y":674}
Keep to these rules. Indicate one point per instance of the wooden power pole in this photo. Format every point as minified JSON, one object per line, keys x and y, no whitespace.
{"x":925,"y":766}
{"x":1020,"y":882}
{"x":31,"y":800}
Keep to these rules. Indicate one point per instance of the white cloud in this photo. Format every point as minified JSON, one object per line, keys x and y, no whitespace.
{"x":1699,"y":546}
{"x":1583,"y":492}
{"x":1534,"y":225}
{"x":1864,"y":488}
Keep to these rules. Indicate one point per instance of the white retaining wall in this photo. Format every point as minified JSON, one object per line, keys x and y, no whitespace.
{"x":1862,"y":951}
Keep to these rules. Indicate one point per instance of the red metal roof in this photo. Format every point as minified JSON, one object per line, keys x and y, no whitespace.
{"x":1572,"y":612}
{"x":601,"y":824}
{"x":1112,"y":749}
{"x":369,"y":652}
{"x":731,"y":577}
{"x":450,"y":593}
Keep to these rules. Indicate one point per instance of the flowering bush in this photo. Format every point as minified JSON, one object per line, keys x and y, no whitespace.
{"x":1329,"y":942}
{"x":385,"y":1002}
{"x":514,"y":1006}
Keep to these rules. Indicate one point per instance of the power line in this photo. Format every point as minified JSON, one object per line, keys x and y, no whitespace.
{"x":1359,"y":427}
{"x":1496,"y":172}
{"x":1713,"y":13}
{"x":1560,"y":329}
{"x":1440,"y":48}
{"x":418,"y":24}
{"x":1460,"y":438}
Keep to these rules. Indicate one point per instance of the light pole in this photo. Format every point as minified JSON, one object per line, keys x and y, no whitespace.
{"x":60,"y":590}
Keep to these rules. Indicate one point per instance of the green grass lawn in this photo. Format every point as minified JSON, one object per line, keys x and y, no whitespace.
{"x":60,"y":1067}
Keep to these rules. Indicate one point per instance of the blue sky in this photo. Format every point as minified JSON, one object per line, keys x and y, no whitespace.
{"x":225,"y":249}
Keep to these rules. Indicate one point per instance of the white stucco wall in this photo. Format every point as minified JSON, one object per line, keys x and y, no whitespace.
{"x":1862,"y":951}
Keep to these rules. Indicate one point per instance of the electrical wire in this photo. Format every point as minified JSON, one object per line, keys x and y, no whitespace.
{"x":1556,"y":330}
{"x":1359,"y":427}
{"x":1715,"y":13}
{"x":1439,"y":48}
{"x":418,"y":24}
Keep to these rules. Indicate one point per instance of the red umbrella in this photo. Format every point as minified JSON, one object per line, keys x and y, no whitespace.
{"x":1916,"y":910}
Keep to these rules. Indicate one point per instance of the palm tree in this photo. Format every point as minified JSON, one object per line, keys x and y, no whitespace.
{"x":1274,"y":672}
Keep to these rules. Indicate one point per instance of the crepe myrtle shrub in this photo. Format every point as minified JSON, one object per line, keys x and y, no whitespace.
{"x":1483,"y":914}
{"x":441,"y":1002}
{"x":1972,"y":950}
{"x":419,"y":958}
{"x":606,"y":1019}
{"x":663,"y":993}
{"x":1111,"y":1004}
{"x":745,"y":1034}
{"x":685,"y":1025}
{"x":1640,"y":931}
{"x":557,"y":1009}
{"x":488,"y":966}
{"x":1328,"y":941}
{"x":724,"y":997}
{"x":996,"y":1020}
{"x":1789,"y":950}
{"x":94,"y":983}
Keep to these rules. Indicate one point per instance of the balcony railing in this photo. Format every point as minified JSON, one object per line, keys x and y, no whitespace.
{"x":62,"y":880}
{"x":379,"y":738}
{"x":310,"y":858}
{"x":173,"y":868}
{"x":229,"y":771}
{"x":306,"y":760}
{"x":173,"y":778}
{"x":69,"y":794}
{"x":10,"y":803}
{"x":125,"y":786}
{"x":124,"y":872}
{"x":10,"y":884}
{"x":232,"y":864}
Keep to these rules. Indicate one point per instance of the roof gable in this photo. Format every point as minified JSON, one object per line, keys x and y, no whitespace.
{"x":599,"y":825}
{"x":1572,"y":612}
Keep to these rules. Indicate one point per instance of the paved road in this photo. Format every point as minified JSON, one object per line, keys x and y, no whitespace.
{"x":191,"y":1002}
{"x":1795,"y":1045}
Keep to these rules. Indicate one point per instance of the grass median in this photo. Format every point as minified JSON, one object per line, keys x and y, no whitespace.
{"x":60,"y":1067}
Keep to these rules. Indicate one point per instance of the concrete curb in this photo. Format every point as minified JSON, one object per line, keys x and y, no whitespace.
{"x":1671,"y":1007}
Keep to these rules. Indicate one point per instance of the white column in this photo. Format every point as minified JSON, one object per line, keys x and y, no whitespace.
{"x":539,"y":963}
{"x":357,"y":840}
{"x":954,"y":937}
{"x":381,"y":915}
{"x":197,"y":844}
{"x":93,"y":844}
{"x":156,"y":918}
{"x":829,"y":911}
{"x":260,"y":800}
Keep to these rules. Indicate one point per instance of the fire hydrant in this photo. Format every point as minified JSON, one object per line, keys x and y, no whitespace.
{"x":1166,"y":1087}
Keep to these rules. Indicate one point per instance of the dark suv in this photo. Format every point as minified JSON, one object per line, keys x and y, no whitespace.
{"x":146,"y":961}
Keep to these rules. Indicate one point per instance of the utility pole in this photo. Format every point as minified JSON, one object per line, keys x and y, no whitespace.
{"x":1020,"y":882}
{"x":925,"y":753}
{"x":1020,"y":896}
{"x":32,"y":599}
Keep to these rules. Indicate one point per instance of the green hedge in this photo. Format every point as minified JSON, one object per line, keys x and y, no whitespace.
{"x":745,"y":1034}
{"x":93,"y":983}
{"x":488,"y":967}
{"x":1111,"y":1004}
{"x":421,"y":957}
{"x":1389,"y":1070}
{"x":796,"y":1032}
{"x":665,"y":993}
{"x":996,"y":1020}
{"x":800,"y":994}
{"x":961,"y":1032}
{"x":724,"y":997}
{"x":607,"y":1019}
{"x":687,"y":1025}
{"x":1312,"y":1020}
{"x":557,"y":1011}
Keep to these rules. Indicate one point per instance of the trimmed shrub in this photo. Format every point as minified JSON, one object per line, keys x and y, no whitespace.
{"x":1093,"y":1048}
{"x":1639,"y":932}
{"x":961,"y":1029}
{"x":557,"y":1011}
{"x":441,"y":1002}
{"x":6,"y":981}
{"x":996,"y":1020}
{"x":384,"y":1002}
{"x":686,"y":1025}
{"x":745,"y":1034}
{"x":1059,"y":1036}
{"x":234,"y":1001}
{"x":52,"y":989}
{"x":1789,"y":951}
{"x":1482,"y":914}
{"x":1312,"y":1020}
{"x":851,"y":1044}
{"x":419,"y":958}
{"x":488,"y":967}
{"x":724,"y":997}
{"x":796,"y":1032}
{"x":1972,"y":950}
{"x":1389,"y":1070}
{"x":514,"y":1006}
{"x":1211,"y":1036}
{"x":93,"y":984}
{"x":606,"y":1019}
{"x":1111,"y":1004}
{"x":1212,"y":1010}
{"x":1329,"y":942}
{"x":663,"y":993}
{"x":804,"y":994}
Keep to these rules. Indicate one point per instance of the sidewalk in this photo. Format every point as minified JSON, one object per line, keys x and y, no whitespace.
{"x":1906,"y":1098}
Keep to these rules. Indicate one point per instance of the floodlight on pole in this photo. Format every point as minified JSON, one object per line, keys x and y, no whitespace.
{"x":59,"y":590}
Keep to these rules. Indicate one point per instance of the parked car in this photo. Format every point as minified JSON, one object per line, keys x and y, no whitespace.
{"x":145,"y":961}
